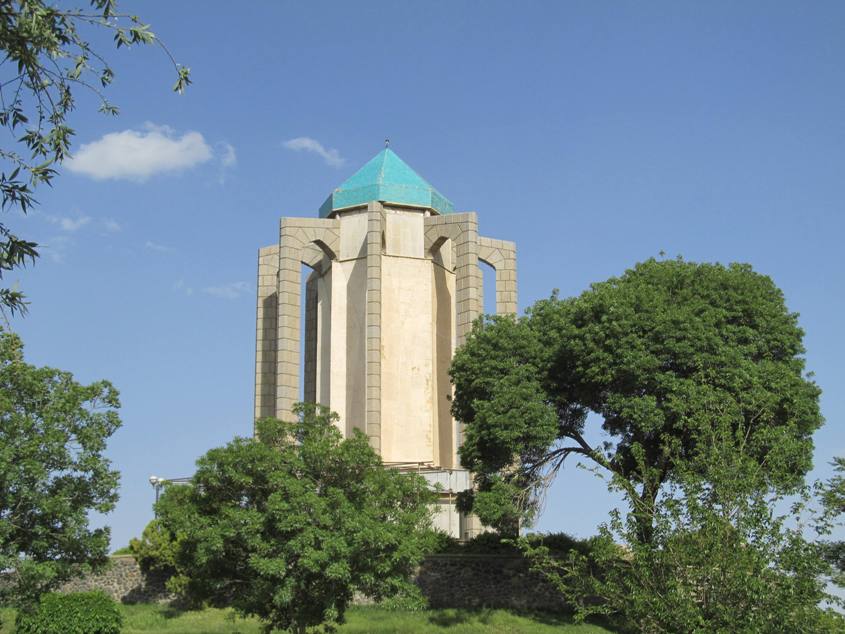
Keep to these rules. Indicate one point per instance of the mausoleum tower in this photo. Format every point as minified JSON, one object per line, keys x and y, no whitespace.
{"x":394,"y":286}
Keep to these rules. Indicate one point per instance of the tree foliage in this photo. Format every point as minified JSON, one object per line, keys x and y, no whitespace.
{"x":721,"y":559}
{"x":659,"y":353}
{"x":155,"y":551}
{"x":833,"y":500}
{"x":288,"y":525}
{"x":53,"y":433}
{"x":46,"y":60}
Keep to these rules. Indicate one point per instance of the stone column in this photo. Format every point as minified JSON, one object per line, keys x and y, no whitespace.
{"x":287,"y":352}
{"x":375,"y":223}
{"x":265,"y":332}
{"x":468,"y":279}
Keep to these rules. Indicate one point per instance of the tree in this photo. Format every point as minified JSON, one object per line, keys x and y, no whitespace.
{"x":659,"y":354}
{"x":288,"y":525}
{"x":53,"y":432}
{"x":45,"y":58}
{"x":833,"y":500}
{"x":721,"y":559}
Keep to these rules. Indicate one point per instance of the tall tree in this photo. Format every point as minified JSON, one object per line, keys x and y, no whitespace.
{"x":288,"y":525}
{"x":53,"y":432}
{"x":659,"y":353}
{"x":724,"y":558}
{"x":833,"y":500}
{"x":46,"y":58}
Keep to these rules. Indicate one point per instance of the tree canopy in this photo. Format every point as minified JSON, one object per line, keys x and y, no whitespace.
{"x":288,"y":525}
{"x":659,"y":354}
{"x":47,"y":59}
{"x":53,"y":433}
{"x":724,"y":556}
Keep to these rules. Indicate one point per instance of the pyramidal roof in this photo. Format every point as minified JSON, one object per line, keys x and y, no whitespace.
{"x":386,"y":178}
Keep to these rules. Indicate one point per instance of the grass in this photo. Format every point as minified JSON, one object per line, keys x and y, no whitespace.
{"x":154,"y":619}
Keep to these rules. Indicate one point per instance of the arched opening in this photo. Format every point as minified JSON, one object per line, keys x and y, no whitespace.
{"x":488,"y":306}
{"x":314,"y":312}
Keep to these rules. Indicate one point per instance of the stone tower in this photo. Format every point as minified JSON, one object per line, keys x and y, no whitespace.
{"x":394,"y":286}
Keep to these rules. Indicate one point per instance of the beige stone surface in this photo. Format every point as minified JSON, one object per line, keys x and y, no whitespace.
{"x":265,"y":332}
{"x":392,"y":293}
{"x":353,"y":234}
{"x":407,"y":369}
{"x":443,"y":346}
{"x":404,"y":233}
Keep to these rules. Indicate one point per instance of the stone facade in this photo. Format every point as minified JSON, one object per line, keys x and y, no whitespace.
{"x":447,"y":581}
{"x":393,"y":287}
{"x":392,"y":292}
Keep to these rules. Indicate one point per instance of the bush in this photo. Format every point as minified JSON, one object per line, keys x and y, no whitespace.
{"x":74,"y":613}
{"x":409,"y":599}
{"x":495,"y":544}
{"x":155,"y":551}
{"x":561,"y":543}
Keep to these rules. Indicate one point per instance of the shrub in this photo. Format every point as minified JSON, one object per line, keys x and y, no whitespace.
{"x":495,"y":544}
{"x":408,"y":599}
{"x":560,"y":543}
{"x":155,"y":551}
{"x":74,"y":613}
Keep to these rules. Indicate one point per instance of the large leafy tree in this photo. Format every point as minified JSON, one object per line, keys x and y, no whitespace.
{"x":288,"y":525}
{"x":833,"y":500}
{"x":53,"y":432}
{"x":724,"y":558}
{"x":46,"y":60}
{"x":659,"y":354}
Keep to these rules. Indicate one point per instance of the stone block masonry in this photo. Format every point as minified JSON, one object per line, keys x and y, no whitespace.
{"x":447,"y":581}
{"x":123,"y":581}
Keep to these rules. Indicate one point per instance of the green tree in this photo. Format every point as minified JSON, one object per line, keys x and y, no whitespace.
{"x":659,"y":353}
{"x":46,"y":58}
{"x":721,"y":559}
{"x":833,"y":500}
{"x":155,"y":551}
{"x":53,"y":432}
{"x":288,"y":525}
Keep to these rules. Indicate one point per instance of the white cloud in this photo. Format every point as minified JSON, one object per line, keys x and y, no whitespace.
{"x":68,"y":223}
{"x":136,"y":155}
{"x":303,"y":143}
{"x":228,"y":291}
{"x":228,"y":156}
{"x":111,"y":225}
{"x":159,"y":248}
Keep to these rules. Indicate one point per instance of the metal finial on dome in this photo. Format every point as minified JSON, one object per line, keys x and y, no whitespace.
{"x":387,"y":143}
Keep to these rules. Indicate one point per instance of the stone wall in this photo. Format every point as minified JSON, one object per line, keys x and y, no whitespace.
{"x":485,"y":581}
{"x":123,"y":581}
{"x":448,"y":581}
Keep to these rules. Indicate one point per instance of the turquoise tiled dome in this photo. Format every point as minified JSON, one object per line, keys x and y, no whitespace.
{"x":387,"y":178}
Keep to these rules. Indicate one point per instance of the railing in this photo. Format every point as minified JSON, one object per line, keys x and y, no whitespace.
{"x":444,"y":480}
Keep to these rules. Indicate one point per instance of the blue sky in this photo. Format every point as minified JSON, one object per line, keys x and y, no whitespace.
{"x":594,"y":134}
